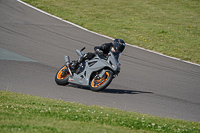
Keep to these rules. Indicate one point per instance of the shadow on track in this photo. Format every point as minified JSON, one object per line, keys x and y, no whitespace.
{"x":120,"y":91}
{"x":113,"y":91}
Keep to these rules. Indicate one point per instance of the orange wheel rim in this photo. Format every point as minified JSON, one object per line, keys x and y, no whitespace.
{"x":96,"y":83}
{"x":60,"y":73}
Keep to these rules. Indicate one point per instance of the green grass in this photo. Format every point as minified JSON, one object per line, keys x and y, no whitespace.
{"x":171,"y":27}
{"x":25,"y":113}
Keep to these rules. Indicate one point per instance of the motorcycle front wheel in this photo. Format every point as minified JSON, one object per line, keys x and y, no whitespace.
{"x":60,"y":78}
{"x":102,"y":83}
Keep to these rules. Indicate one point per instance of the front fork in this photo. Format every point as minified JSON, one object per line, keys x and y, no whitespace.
{"x":100,"y":75}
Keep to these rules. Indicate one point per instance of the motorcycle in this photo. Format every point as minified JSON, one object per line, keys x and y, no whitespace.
{"x":96,"y":73}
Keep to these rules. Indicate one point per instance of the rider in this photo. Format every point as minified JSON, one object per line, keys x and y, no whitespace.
{"x":116,"y":47}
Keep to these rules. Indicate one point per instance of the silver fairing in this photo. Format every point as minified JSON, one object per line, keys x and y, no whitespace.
{"x":97,"y":64}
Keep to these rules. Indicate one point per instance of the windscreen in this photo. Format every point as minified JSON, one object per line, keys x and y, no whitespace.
{"x":117,"y":55}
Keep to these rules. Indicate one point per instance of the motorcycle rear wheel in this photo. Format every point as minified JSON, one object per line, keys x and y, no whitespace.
{"x":101,"y":84}
{"x":62,"y":80}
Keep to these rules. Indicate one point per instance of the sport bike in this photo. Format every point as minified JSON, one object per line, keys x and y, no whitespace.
{"x":96,"y":73}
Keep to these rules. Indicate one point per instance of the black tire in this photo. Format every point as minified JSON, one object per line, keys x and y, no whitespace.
{"x":62,"y":80}
{"x":101,"y":84}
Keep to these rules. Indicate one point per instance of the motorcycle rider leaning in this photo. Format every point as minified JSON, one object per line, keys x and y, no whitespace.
{"x":116,"y":47}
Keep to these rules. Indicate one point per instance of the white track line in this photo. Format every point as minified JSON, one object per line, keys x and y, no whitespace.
{"x":103,"y":35}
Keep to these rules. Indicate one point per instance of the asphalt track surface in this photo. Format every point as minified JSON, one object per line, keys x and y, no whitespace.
{"x":32,"y":49}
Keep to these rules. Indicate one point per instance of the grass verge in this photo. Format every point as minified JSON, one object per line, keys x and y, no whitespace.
{"x":25,"y":113}
{"x":170,"y":27}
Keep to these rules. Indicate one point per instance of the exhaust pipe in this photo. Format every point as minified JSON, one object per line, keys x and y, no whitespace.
{"x":67,"y":62}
